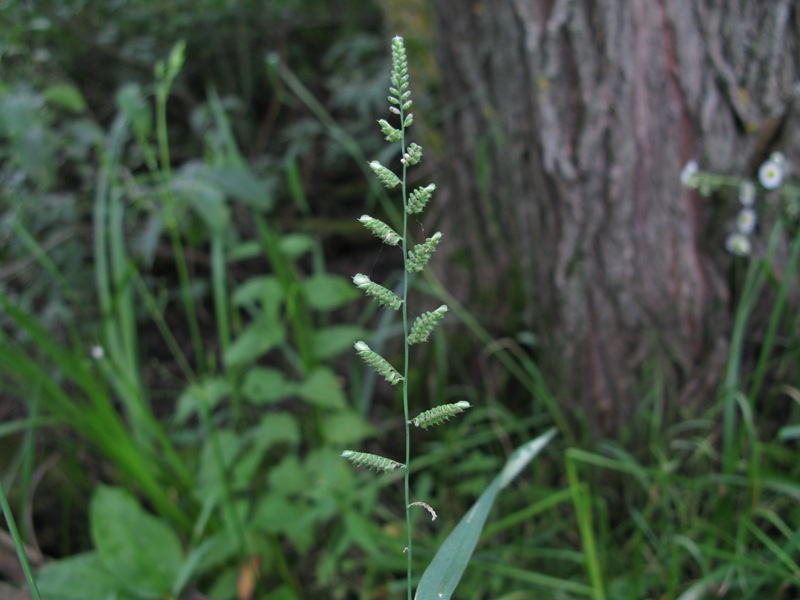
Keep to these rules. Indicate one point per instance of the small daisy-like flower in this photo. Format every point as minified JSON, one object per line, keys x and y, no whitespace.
{"x":689,"y":172}
{"x":771,"y":172}
{"x":738,"y":244}
{"x":97,"y":352}
{"x":746,"y":221}
{"x":747,"y":193}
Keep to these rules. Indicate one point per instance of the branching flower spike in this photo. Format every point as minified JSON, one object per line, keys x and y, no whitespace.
{"x":377,"y":362}
{"x":385,"y":297}
{"x":381,"y":230}
{"x":425,"y":324}
{"x":439,"y":414}
{"x":420,"y":254}
{"x":415,"y":258}
{"x":372,"y":461}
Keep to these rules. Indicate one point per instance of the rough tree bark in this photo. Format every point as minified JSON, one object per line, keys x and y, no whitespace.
{"x":571,"y":124}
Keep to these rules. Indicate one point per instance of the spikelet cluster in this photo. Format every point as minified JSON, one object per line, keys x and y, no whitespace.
{"x":381,"y":230}
{"x":439,"y":414}
{"x":384,"y":297}
{"x":420,"y":254}
{"x":419,"y":198}
{"x":424,"y":325}
{"x":372,"y":461}
{"x":385,"y":176}
{"x":377,"y":362}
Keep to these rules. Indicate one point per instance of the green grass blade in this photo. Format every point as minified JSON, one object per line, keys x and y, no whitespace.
{"x":23,"y":558}
{"x":446,"y":569}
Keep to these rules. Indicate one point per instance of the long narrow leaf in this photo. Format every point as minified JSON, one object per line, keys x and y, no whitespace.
{"x":446,"y":569}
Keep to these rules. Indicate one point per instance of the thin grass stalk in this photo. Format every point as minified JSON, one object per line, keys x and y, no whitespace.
{"x":406,"y":411}
{"x":102,"y":270}
{"x":18,"y":544}
{"x":768,"y":341}
{"x":170,"y":212}
{"x":583,"y":510}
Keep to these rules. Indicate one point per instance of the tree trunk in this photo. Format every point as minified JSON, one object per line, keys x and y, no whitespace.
{"x":570,"y":124}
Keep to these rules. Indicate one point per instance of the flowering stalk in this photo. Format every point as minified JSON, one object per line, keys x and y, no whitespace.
{"x":414,"y":261}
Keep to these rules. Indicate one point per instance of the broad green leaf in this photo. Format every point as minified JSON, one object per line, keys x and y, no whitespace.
{"x":140,"y":550}
{"x":264,"y":293}
{"x":295,"y":245}
{"x":207,"y":391}
{"x":132,"y":104}
{"x":330,"y":342}
{"x":77,"y":578}
{"x":209,"y":476}
{"x":276,"y":428}
{"x":326,"y":292}
{"x":444,"y":573}
{"x":258,"y":338}
{"x":277,"y":514}
{"x":243,"y":186}
{"x":65,"y":96}
{"x":288,"y":476}
{"x":266,"y":386}
{"x":322,"y":388}
{"x":346,"y":429}
{"x":205,"y":198}
{"x":790,"y":432}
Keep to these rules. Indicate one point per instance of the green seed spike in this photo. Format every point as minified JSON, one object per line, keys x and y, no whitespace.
{"x":385,"y":297}
{"x":372,"y":461}
{"x":386,"y":176}
{"x":424,"y":325}
{"x":381,"y":230}
{"x":420,"y":254}
{"x":377,"y":362}
{"x":439,"y":414}
{"x":419,"y":198}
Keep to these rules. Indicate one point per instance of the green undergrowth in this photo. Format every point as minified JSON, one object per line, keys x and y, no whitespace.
{"x":190,"y":370}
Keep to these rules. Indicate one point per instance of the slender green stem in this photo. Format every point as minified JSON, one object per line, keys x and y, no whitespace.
{"x":23,"y":558}
{"x":171,"y":219}
{"x":406,"y":477}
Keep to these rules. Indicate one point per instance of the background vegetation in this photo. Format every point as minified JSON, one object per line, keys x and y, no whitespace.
{"x":179,"y":188}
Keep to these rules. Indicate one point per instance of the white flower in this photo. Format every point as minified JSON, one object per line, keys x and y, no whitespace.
{"x":746,"y":221}
{"x":97,"y":352}
{"x":738,"y":244}
{"x":688,"y":173}
{"x":771,"y":172}
{"x":747,"y":193}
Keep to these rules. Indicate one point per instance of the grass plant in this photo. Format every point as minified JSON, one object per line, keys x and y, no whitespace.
{"x":447,"y":567}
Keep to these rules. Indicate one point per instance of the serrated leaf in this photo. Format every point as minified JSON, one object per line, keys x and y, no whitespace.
{"x":139,"y":549}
